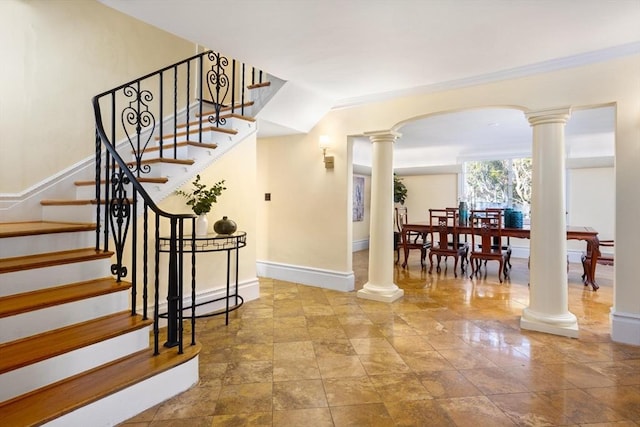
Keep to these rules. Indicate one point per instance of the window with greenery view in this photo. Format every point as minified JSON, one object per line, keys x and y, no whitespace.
{"x":499,"y":183}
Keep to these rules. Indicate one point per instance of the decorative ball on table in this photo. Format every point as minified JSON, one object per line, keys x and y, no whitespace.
{"x":225,"y":226}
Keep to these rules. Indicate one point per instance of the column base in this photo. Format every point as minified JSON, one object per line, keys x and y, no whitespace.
{"x":625,"y":327}
{"x":380,"y":293}
{"x":565,"y":325}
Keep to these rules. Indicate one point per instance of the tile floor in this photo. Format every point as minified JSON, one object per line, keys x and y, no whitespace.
{"x":449,"y":353}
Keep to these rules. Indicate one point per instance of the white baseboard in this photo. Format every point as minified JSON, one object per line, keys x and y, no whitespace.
{"x":625,"y":327}
{"x":328,"y":279}
{"x":360,"y":245}
{"x":249,"y":290}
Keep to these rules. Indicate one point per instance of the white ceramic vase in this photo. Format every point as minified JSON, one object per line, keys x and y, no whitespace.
{"x":202,"y":225}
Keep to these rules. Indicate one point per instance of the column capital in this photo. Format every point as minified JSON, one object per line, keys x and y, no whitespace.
{"x":383,"y":135}
{"x":555,"y":115}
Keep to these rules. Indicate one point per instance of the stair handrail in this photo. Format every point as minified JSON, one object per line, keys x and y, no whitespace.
{"x":139,"y":125}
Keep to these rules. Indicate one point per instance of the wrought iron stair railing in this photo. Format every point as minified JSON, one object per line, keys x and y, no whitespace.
{"x":177,"y":101}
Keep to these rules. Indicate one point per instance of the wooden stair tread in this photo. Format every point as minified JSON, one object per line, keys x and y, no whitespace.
{"x":36,"y":348}
{"x":51,"y":258}
{"x":53,"y":401}
{"x":68,"y":202}
{"x":160,"y":180}
{"x":164,"y":160}
{"x":12,"y":305}
{"x":34,"y":228}
{"x":73,"y":202}
{"x":259,"y":85}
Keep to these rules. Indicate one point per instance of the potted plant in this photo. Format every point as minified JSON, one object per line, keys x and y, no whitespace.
{"x":201,"y":198}
{"x":399,"y":190}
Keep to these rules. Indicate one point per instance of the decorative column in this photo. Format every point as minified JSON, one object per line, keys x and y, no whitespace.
{"x":548,"y":309}
{"x":380,"y":286}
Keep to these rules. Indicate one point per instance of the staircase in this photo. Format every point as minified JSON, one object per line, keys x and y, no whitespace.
{"x":67,"y":336}
{"x":80,"y":336}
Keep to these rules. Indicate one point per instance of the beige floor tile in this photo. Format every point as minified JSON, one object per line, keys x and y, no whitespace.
{"x":396,"y":387}
{"x":341,"y":367}
{"x":245,"y":399}
{"x":299,"y":395}
{"x":444,"y":384}
{"x":320,"y":417}
{"x":350,"y":391}
{"x":370,"y":415}
{"x":529,"y":409}
{"x":474,"y":411}
{"x":449,"y":353}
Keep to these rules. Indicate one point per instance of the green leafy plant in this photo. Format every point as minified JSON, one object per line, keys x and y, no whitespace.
{"x":399,"y":190}
{"x":202,"y":197}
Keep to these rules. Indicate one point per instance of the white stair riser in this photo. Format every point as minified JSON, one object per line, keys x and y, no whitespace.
{"x":69,"y":213}
{"x":31,"y":245}
{"x":31,"y":377}
{"x":36,"y":322}
{"x":88,"y":192}
{"x":184,"y":152}
{"x":47,"y":277}
{"x":209,"y":137}
{"x":75,"y":213}
{"x":121,"y":406}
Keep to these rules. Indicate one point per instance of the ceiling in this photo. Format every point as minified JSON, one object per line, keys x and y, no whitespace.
{"x":354,"y":51}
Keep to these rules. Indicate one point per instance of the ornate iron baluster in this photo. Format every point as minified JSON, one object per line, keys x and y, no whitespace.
{"x":218,"y":83}
{"x":119,"y":217}
{"x":134,"y":117}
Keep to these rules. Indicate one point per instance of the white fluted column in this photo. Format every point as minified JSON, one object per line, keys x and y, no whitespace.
{"x":380,"y":286}
{"x":548,"y":309}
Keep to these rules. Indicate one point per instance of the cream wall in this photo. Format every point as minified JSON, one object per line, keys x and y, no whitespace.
{"x":591,"y":199}
{"x":307,"y":223}
{"x":426,"y":192}
{"x":56,"y":56}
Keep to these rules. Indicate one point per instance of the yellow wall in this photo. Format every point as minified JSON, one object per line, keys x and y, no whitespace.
{"x":237,"y":202}
{"x":426,"y":192}
{"x":307,"y":223}
{"x":56,"y":56}
{"x":591,"y":195}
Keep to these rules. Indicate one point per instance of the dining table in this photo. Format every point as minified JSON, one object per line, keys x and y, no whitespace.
{"x":587,"y":234}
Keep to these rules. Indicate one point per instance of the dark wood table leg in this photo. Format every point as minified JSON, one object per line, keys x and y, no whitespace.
{"x":405,"y":247}
{"x":593,"y":248}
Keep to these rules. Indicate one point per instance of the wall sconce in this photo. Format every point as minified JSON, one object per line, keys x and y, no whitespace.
{"x":324,"y":145}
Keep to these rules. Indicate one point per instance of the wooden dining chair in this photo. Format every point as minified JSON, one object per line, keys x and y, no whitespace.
{"x":445,"y":239}
{"x":506,"y":246}
{"x":486,"y":242}
{"x":415,"y":240}
{"x":606,"y":258}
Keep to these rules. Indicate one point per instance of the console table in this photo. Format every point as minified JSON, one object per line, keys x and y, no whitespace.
{"x":229,"y":243}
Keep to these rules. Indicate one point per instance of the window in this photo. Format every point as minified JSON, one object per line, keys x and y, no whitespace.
{"x":498,"y":183}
